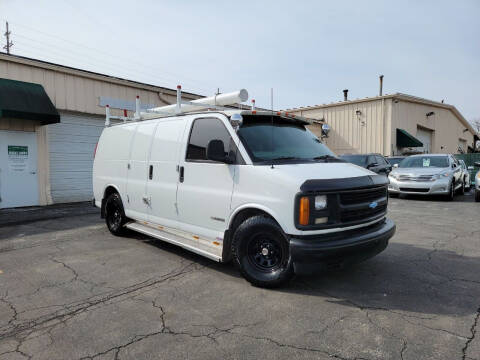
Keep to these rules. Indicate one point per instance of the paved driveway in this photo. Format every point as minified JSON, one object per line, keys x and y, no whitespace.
{"x":70,"y":290}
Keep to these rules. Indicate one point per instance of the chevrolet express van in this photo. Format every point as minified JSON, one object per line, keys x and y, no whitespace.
{"x":254,"y":187}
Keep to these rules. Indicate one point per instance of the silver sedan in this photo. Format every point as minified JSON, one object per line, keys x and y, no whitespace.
{"x":428,"y":174}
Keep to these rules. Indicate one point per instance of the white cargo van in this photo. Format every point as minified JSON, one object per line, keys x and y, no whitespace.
{"x":252,"y":186}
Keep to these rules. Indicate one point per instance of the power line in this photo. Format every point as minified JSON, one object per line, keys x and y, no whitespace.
{"x":9,"y":43}
{"x":130,"y":59}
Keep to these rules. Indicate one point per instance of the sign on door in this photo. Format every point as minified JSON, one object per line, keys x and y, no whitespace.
{"x":17,"y":158}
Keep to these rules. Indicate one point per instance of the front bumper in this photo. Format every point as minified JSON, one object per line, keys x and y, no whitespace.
{"x":322,"y":252}
{"x":436,"y":187}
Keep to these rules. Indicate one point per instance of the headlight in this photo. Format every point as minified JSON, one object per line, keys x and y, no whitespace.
{"x":320,"y":202}
{"x":441,"y":175}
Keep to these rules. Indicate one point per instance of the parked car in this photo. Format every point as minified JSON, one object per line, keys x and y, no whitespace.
{"x":477,"y":183}
{"x":395,"y":160}
{"x":263,"y":191}
{"x":373,"y":162}
{"x":427,"y":174}
{"x":465,"y":174}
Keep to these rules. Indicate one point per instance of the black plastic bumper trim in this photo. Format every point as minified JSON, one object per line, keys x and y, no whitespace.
{"x":320,"y":252}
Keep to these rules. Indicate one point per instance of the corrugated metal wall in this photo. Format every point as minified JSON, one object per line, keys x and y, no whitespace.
{"x":75,"y":90}
{"x":71,"y":145}
{"x":446,"y":128}
{"x":356,"y":127}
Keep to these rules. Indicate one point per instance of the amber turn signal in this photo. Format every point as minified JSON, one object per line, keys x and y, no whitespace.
{"x":304,"y":213}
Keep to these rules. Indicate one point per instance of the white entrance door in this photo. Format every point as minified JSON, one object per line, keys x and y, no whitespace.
{"x":425,"y":136}
{"x":18,"y":169}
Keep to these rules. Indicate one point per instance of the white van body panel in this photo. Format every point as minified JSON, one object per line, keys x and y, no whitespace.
{"x":111,"y":160}
{"x":164,"y":158}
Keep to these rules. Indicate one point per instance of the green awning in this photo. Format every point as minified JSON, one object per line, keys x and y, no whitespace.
{"x":23,"y":100}
{"x":404,"y":139}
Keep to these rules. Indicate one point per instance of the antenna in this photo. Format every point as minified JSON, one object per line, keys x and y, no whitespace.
{"x":9,"y":43}
{"x":271,"y":103}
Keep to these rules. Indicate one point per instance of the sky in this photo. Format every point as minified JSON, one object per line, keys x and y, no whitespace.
{"x":307,"y":51}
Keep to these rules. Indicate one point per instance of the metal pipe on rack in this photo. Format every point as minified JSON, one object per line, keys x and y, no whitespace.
{"x":137,"y":108}
{"x":203,"y":103}
{"x":179,"y":100}
{"x":107,"y":115}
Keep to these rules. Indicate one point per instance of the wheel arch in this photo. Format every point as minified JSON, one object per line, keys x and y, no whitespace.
{"x":237,"y":217}
{"x":109,"y":189}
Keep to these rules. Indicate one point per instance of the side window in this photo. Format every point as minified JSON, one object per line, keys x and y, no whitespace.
{"x":380,"y":160}
{"x":371,"y":160}
{"x":204,"y":130}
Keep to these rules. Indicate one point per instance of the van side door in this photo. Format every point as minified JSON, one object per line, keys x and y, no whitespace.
{"x":163,"y":171}
{"x":205,"y":186}
{"x":136,"y":203}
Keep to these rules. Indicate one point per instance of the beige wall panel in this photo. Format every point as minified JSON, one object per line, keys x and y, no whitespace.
{"x":447,"y":128}
{"x":60,"y":91}
{"x":80,"y":91}
{"x":352,"y":133}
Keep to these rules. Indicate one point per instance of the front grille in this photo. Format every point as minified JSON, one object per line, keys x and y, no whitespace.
{"x":363,"y":196}
{"x":345,"y":207}
{"x":360,"y":214}
{"x":415,"y":178}
{"x":414,"y":190}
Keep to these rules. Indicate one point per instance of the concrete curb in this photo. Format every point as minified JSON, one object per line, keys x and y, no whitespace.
{"x":25,"y":215}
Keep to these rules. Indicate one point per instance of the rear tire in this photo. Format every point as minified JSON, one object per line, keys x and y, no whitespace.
{"x":260,"y":250}
{"x":115,"y":215}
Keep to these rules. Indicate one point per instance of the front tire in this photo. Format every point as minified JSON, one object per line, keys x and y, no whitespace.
{"x":451,"y":193}
{"x":261,"y":252}
{"x":115,"y":215}
{"x":477,"y":195}
{"x":462,"y":189}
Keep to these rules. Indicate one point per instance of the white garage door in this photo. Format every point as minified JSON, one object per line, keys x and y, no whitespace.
{"x":425,"y":136}
{"x":71,"y":146}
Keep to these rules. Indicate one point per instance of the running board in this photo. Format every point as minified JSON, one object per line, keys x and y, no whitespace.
{"x":190,"y":245}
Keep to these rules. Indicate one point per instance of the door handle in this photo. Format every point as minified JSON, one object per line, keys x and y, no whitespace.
{"x":182,"y":173}
{"x":150,"y":172}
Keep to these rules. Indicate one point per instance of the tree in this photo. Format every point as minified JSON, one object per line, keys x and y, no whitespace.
{"x":476,"y":124}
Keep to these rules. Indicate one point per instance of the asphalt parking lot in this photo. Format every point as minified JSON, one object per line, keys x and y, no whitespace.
{"x":70,"y":290}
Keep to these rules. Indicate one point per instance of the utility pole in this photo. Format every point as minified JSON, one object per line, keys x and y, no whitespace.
{"x":9,"y":43}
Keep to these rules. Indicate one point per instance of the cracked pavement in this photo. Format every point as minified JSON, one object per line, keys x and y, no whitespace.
{"x":70,"y":290}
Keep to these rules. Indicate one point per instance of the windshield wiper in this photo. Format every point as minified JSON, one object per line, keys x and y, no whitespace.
{"x":286,"y":158}
{"x":328,"y":157}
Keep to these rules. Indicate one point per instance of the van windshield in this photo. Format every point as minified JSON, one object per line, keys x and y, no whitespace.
{"x":281,"y":141}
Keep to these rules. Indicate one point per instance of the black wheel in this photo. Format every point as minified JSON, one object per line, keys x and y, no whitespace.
{"x":477,"y":195}
{"x":393,"y":195}
{"x":114,"y":214}
{"x":261,"y":252}
{"x":451,"y":193}
{"x":462,"y":188}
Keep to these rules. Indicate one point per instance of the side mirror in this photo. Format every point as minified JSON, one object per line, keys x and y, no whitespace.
{"x":215,"y":152}
{"x":325,"y":130}
{"x":454,"y":166}
{"x":395,"y":165}
{"x":372,"y":165}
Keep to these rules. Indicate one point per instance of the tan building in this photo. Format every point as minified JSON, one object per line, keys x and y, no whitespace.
{"x":51,"y":117}
{"x":392,"y":125}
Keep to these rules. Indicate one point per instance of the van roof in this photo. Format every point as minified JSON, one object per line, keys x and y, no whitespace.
{"x":229,"y":112}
